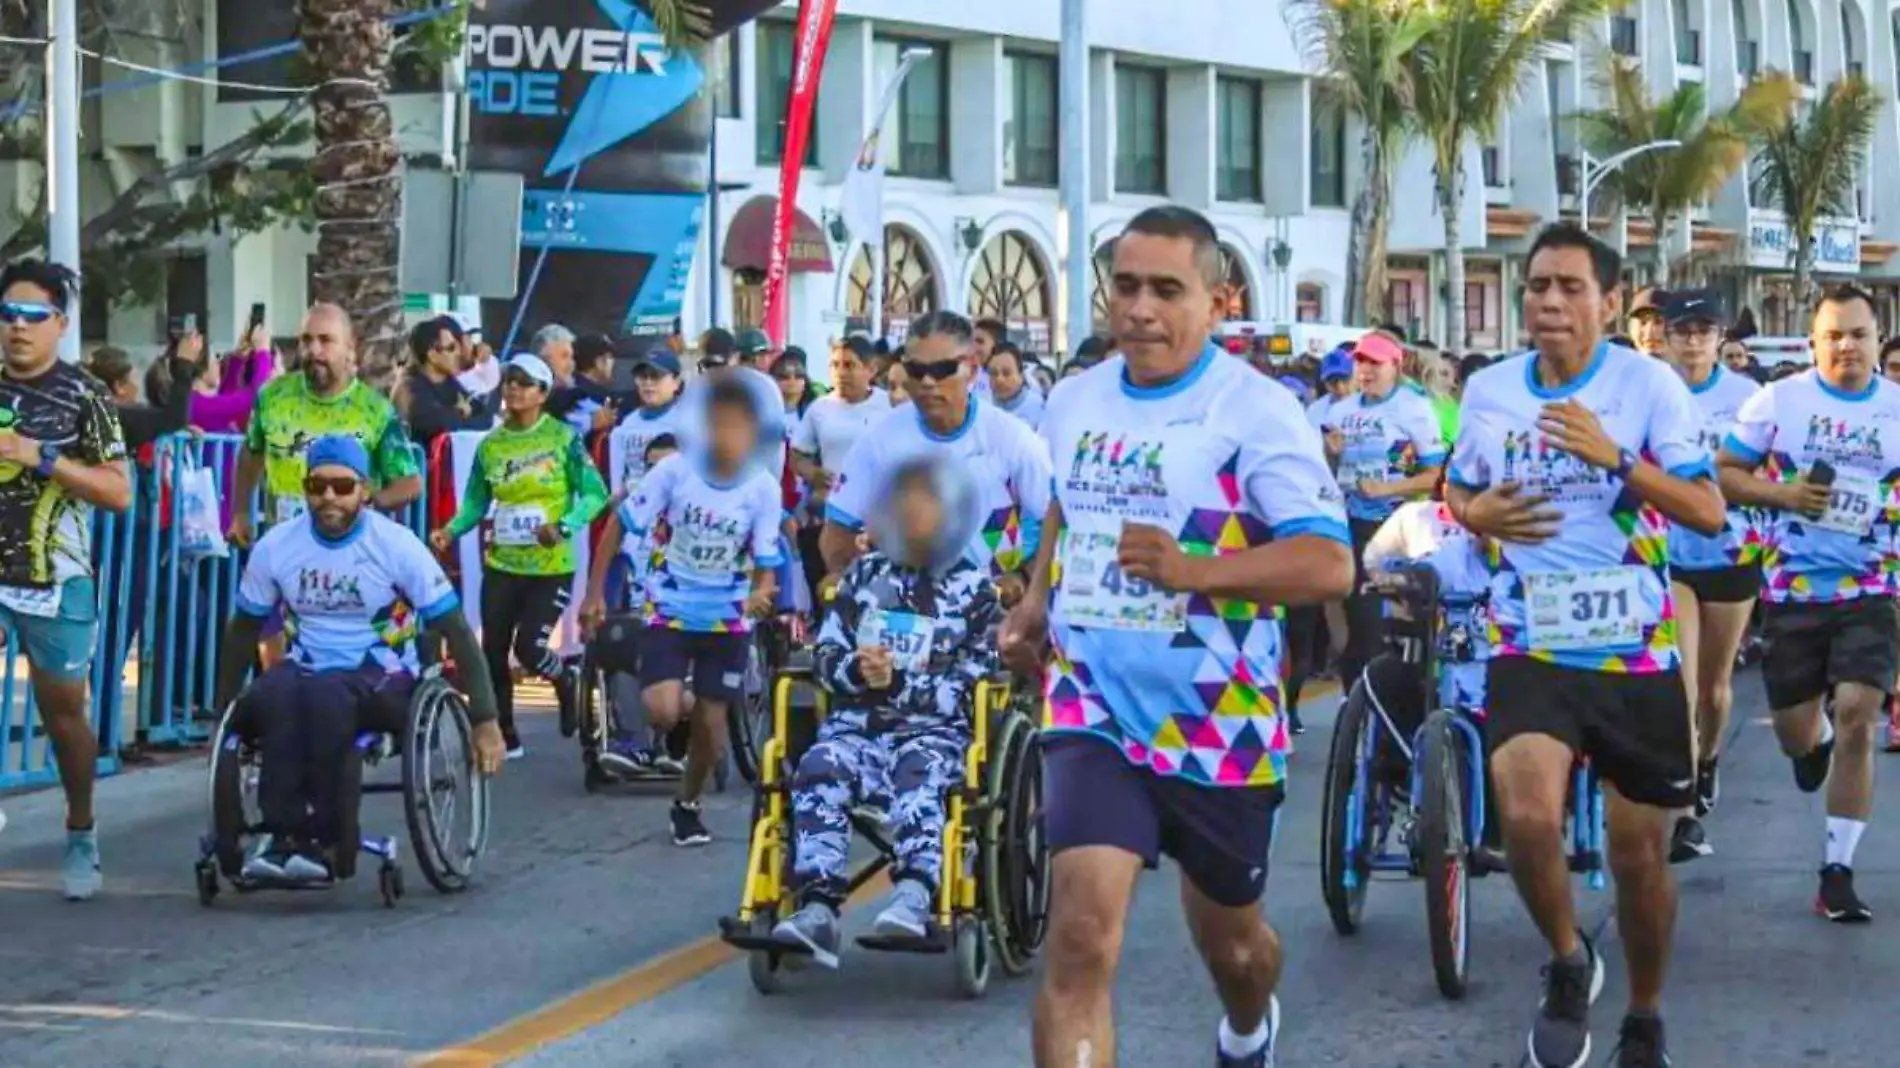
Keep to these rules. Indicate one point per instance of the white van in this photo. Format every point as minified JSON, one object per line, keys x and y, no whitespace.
{"x":1770,"y":351}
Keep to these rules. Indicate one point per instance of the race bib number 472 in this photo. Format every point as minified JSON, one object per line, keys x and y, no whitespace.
{"x":1603,"y":608}
{"x":1098,"y":593}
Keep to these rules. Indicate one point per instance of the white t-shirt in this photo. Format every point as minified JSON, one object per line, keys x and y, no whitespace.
{"x":1718,"y":400}
{"x":1007,"y":463}
{"x":1319,"y":414}
{"x":832,"y":425}
{"x":1221,"y":460}
{"x":1600,"y":587}
{"x":354,"y":602}
{"x":1027,"y":405}
{"x":707,"y":540}
{"x":1388,"y":439}
{"x":482,"y":378}
{"x":627,"y":444}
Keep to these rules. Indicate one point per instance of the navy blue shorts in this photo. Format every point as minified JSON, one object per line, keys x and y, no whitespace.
{"x":1221,"y":836}
{"x":717,"y":662}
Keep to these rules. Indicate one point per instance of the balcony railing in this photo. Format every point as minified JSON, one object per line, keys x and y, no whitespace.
{"x":1689,"y":48}
{"x":1748,"y":58}
{"x":1804,"y":67}
{"x":1623,"y":35}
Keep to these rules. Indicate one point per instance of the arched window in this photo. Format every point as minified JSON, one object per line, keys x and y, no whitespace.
{"x":1103,"y":271}
{"x":1850,"y":41}
{"x":910,"y":282}
{"x":1798,"y":45}
{"x":1009,"y":281}
{"x":1234,"y":273}
{"x":1309,"y":302}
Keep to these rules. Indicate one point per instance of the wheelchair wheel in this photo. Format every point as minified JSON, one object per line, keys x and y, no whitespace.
{"x":1443,"y":852}
{"x":1345,"y":868}
{"x":749,"y":722}
{"x":235,"y":811}
{"x":444,"y":797}
{"x":766,"y":969}
{"x":970,"y":947}
{"x":1015,"y":862}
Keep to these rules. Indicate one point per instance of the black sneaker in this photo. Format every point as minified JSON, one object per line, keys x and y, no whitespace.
{"x":1641,"y":1045}
{"x":1708,"y":789}
{"x":688,"y":828}
{"x":1836,"y":902}
{"x":1560,"y":1038}
{"x":1688,"y":841}
{"x":1810,"y":771}
{"x":567,"y":686}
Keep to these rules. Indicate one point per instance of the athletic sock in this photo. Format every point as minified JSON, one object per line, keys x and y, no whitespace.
{"x":1827,"y":731}
{"x":1236,"y":1045}
{"x":1843,"y":836}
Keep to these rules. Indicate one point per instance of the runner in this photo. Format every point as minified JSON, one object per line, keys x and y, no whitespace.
{"x":824,"y":438}
{"x":1576,"y":456}
{"x":545,"y":491}
{"x":1194,"y":497}
{"x":1819,"y":451}
{"x":1008,"y":463}
{"x":1645,"y":322}
{"x":1010,"y":388}
{"x":1714,"y":580}
{"x":61,"y":456}
{"x":656,"y":379}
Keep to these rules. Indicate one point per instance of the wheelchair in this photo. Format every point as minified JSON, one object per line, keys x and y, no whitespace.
{"x":992,"y":906}
{"x":1408,"y":797}
{"x":438,"y":784}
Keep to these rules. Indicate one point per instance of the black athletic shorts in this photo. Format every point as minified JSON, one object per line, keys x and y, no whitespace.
{"x":1220,"y":835}
{"x":1636,"y":729}
{"x":1814,"y":647}
{"x":1723,"y":585}
{"x":717,"y":661}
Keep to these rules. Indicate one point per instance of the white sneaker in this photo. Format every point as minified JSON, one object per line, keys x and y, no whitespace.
{"x":517,"y":752}
{"x":908,"y":913}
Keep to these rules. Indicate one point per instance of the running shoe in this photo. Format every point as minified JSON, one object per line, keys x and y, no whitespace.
{"x":79,"y":874}
{"x":517,"y":751}
{"x":265,"y":862}
{"x":1688,"y":841}
{"x":1260,"y":1058}
{"x":1708,"y":788}
{"x":567,"y":687}
{"x":813,"y":929}
{"x":908,"y":914}
{"x":1810,"y":771}
{"x":307,"y":866}
{"x":668,"y":764}
{"x":1640,"y":1044}
{"x":1561,"y":1036}
{"x":688,"y":828}
{"x":626,"y":758}
{"x":1837,"y":902}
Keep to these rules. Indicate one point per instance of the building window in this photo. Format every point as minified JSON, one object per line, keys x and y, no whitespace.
{"x":1798,"y":45}
{"x":910,"y":283}
{"x":1239,"y":133}
{"x":1141,"y":130}
{"x":772,"y":92}
{"x":917,"y":132}
{"x":1309,"y":303}
{"x":725,"y":76}
{"x":1102,"y":273}
{"x":1477,"y":307}
{"x":1850,"y":44}
{"x":1623,"y":35}
{"x":1009,"y":283}
{"x":1747,"y":50}
{"x":1033,"y":135}
{"x":1327,"y":165}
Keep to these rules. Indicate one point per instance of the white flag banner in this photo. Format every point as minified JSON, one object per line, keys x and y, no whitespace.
{"x":861,"y":201}
{"x":567,"y":640}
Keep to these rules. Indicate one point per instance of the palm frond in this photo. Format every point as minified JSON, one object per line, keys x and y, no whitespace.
{"x":683,"y":23}
{"x":1810,"y":165}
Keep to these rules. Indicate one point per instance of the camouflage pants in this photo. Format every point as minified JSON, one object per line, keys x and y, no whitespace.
{"x":907,"y":775}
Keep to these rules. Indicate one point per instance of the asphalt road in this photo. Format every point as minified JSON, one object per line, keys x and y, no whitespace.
{"x":587,"y":943}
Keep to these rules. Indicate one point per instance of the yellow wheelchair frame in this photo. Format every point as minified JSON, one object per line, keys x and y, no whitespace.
{"x":992,"y":900}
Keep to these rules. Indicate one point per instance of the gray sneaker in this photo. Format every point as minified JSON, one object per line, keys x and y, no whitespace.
{"x":79,"y":875}
{"x":307,"y":868}
{"x":813,"y":928}
{"x":265,"y":862}
{"x":908,"y":914}
{"x":1560,"y":1038}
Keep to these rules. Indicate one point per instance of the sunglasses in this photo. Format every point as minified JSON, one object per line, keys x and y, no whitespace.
{"x":317,"y":486}
{"x":935,"y":370}
{"x":519,"y":380}
{"x":789,"y":376}
{"x":30,"y":314}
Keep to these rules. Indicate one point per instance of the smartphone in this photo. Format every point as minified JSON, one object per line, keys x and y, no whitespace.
{"x":1821,"y":474}
{"x":257,"y":315}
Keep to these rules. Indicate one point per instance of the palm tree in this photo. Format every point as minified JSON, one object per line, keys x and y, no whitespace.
{"x":1668,"y":183}
{"x":1466,"y":72}
{"x":1810,"y":165}
{"x":1359,"y":47}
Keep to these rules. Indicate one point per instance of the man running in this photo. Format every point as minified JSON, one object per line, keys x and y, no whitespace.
{"x":831,"y":427}
{"x":1191,"y":498}
{"x":1819,"y":452}
{"x":1714,"y":580}
{"x":61,"y":456}
{"x":1576,"y":456}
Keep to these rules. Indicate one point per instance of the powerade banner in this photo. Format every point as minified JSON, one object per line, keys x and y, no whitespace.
{"x":610,"y":130}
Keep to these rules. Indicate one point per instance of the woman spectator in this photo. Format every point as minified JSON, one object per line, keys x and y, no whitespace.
{"x":251,"y":365}
{"x":168,"y":409}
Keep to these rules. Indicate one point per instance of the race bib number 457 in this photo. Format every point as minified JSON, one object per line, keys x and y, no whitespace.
{"x":1598,"y":609}
{"x":1098,"y":593}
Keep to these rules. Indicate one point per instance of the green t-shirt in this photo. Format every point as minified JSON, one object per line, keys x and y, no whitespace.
{"x":1447,"y":409}
{"x":533,"y":476}
{"x":289,"y":417}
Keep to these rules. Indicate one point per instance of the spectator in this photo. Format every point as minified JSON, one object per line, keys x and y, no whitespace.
{"x":482,"y":375}
{"x":250,"y":365}
{"x":794,"y":385}
{"x":438,"y":402}
{"x":1735,"y":356}
{"x":554,"y":343}
{"x":590,"y":403}
{"x":170,"y":408}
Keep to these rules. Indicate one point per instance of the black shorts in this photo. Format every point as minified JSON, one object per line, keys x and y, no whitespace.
{"x":1814,"y":647}
{"x":1636,"y":729}
{"x":615,"y":646}
{"x":1723,"y":585}
{"x":1220,"y":835}
{"x":717,"y":661}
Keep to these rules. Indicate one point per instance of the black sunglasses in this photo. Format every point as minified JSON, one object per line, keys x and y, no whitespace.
{"x":935,"y":370}
{"x":341,"y":486}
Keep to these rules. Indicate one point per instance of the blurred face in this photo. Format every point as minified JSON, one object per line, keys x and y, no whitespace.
{"x":937,"y":377}
{"x":985,"y":346}
{"x":1564,"y":303}
{"x":327,"y":351}
{"x":1006,"y":377}
{"x":445,"y":356}
{"x":1846,"y":343}
{"x":791,"y":384}
{"x":1160,"y":305}
{"x":1646,"y":328}
{"x":851,"y":375}
{"x":1890,"y":365}
{"x":559,"y":356}
{"x":33,"y":327}
{"x":919,"y":518}
{"x":1735,"y":356}
{"x":734,"y":434}
{"x":1374,"y":378}
{"x":335,"y":497}
{"x":1691,"y":348}
{"x":1436,"y":375}
{"x":656,"y":388}
{"x":521,"y":395}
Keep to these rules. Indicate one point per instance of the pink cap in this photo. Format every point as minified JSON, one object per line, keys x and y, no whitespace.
{"x":1378,"y":349}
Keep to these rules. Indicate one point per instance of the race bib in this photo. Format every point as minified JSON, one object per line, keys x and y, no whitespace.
{"x":1097,"y":593}
{"x":43,"y":604}
{"x":1598,"y":609}
{"x":1853,"y":502}
{"x":907,"y":635}
{"x":701,"y":549}
{"x":288,"y":506}
{"x":516,"y":524}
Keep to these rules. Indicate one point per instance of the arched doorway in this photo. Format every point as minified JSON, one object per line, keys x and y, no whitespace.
{"x":910,"y":283}
{"x":1101,"y":271}
{"x":1233,"y":272}
{"x":1010,"y":283}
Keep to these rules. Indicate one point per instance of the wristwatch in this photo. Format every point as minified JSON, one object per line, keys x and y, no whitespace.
{"x":561,"y":525}
{"x":1625,"y":463}
{"x":49,"y":455}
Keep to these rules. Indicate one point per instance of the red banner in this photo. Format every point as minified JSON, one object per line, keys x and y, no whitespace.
{"x":812,"y":37}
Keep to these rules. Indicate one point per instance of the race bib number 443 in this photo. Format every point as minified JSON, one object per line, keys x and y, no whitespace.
{"x":1098,"y":593}
{"x":1599,"y":609}
{"x":517,"y":524}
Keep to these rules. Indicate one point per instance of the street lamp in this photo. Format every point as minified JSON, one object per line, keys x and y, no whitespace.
{"x":1594,"y":171}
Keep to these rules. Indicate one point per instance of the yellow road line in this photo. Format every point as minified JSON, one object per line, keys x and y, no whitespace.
{"x":603,"y":1001}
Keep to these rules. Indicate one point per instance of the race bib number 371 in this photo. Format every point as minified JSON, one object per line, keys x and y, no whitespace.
{"x":1599,"y":609}
{"x":1098,"y":593}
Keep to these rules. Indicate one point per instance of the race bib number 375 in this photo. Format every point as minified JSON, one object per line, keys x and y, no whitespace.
{"x":1853,"y":502}
{"x":1098,"y":593}
{"x":1599,"y":609}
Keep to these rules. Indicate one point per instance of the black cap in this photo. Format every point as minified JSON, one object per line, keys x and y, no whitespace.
{"x":1693,"y":305}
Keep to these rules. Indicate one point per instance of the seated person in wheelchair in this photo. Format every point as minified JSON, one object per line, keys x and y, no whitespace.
{"x":907,"y":638}
{"x":352,"y":583}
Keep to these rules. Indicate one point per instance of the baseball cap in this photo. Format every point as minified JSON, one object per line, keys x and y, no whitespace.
{"x":1336,"y":364}
{"x":1649,"y":302}
{"x":1377,"y":348}
{"x":753,"y":342}
{"x":338,"y":450}
{"x":658,"y":358}
{"x":532,"y":366}
{"x":1692,"y":305}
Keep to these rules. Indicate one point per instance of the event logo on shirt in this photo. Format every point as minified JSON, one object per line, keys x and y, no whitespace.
{"x":1120,"y":471}
{"x":1532,"y":461}
{"x":541,"y":467}
{"x":395,"y":624}
{"x":322,"y":591}
{"x":1838,"y":441}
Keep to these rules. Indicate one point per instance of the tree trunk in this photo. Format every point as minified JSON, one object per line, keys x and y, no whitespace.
{"x":358,"y":170}
{"x":1365,"y":249}
{"x":1659,"y":247}
{"x":1804,"y":278}
{"x":1451,"y":196}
